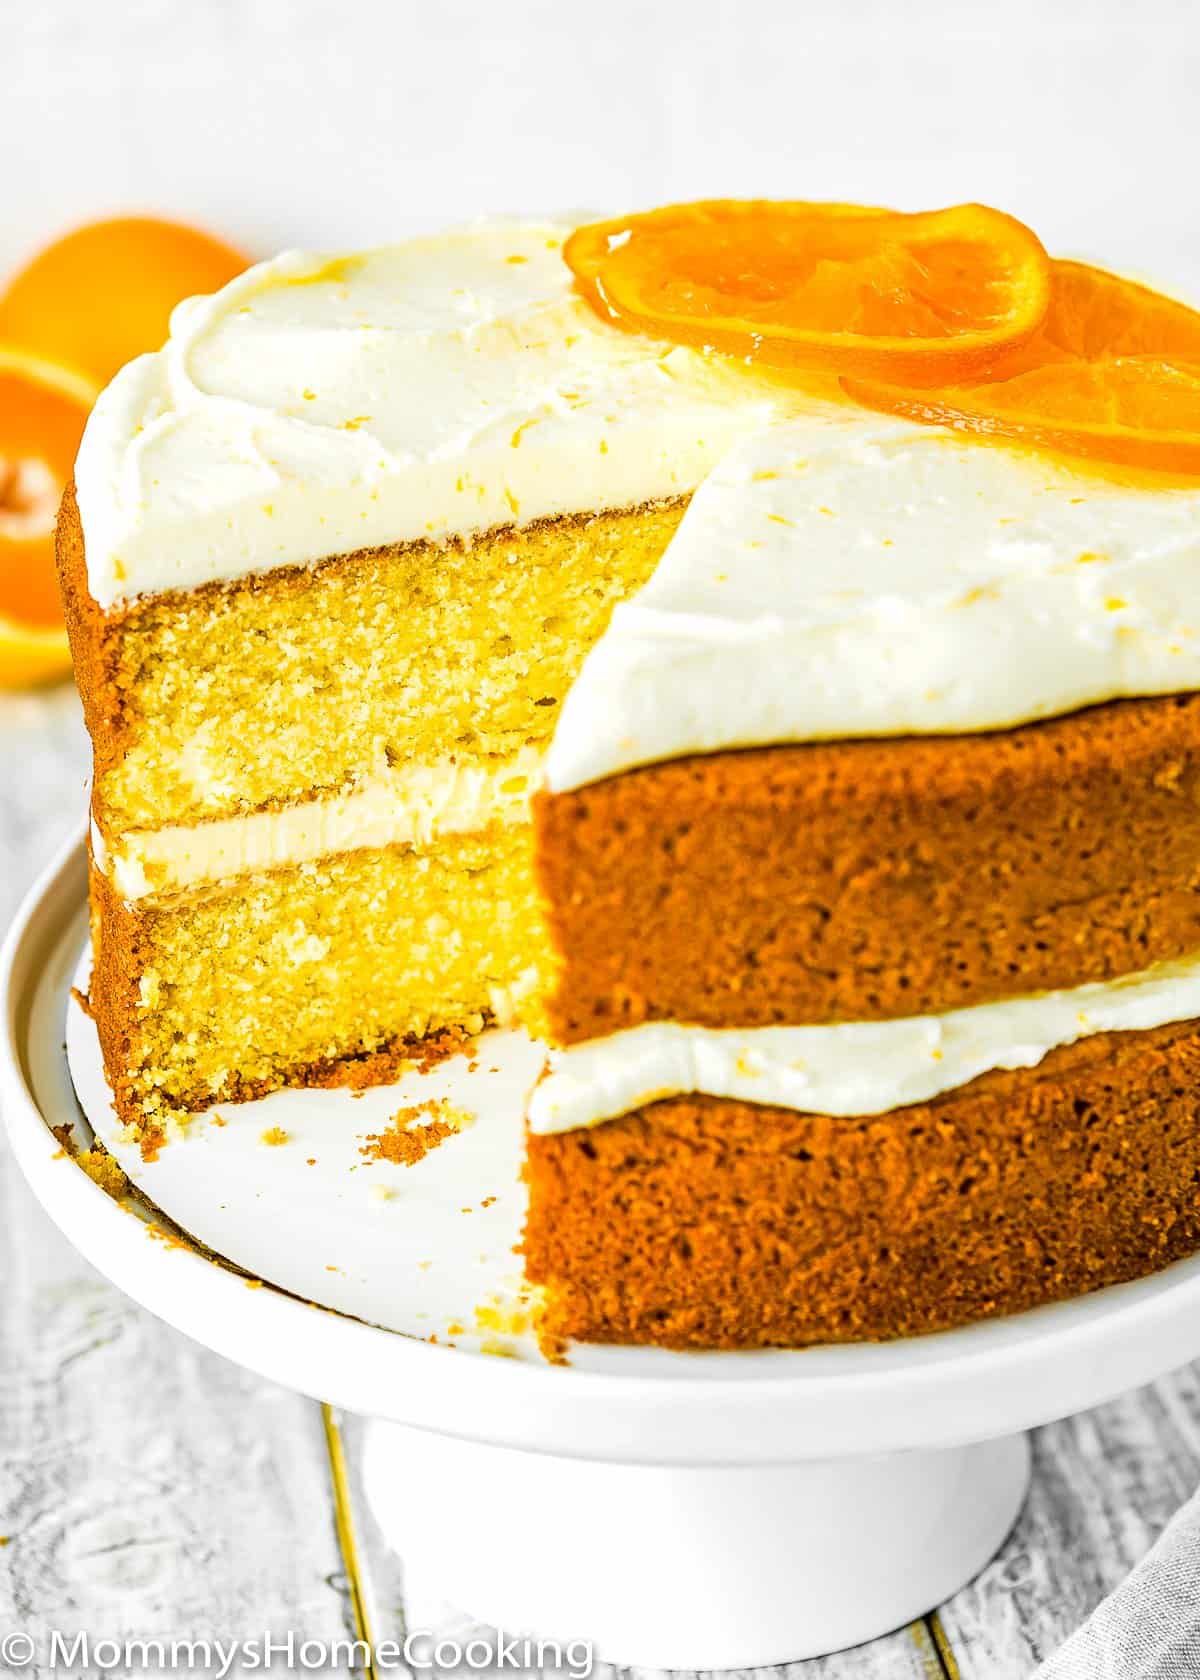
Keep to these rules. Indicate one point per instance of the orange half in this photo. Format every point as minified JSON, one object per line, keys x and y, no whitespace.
{"x":43,"y":409}
{"x":920,"y":299}
{"x":1114,"y":375}
{"x":102,"y":294}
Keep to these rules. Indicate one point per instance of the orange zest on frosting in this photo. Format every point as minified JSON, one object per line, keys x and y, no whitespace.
{"x":1113,"y":374}
{"x":921,"y":299}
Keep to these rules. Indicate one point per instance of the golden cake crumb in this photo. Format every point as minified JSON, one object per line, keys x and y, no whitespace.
{"x":100,"y":1167}
{"x":275,"y":1136}
{"x":408,"y":1138}
{"x":506,"y":1318}
{"x":96,"y":1162}
{"x":169,"y":1238}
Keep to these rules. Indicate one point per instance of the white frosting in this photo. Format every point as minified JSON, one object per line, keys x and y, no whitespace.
{"x":850,"y":1068}
{"x":837,"y":574}
{"x":319,"y":405}
{"x":848,"y":575}
{"x":411,"y":805}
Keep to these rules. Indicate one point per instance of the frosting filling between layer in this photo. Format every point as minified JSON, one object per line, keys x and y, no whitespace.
{"x":849,"y":1068}
{"x":411,"y":805}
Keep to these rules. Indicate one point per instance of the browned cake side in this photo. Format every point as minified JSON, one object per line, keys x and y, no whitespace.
{"x":699,"y":1222}
{"x":868,"y":880}
{"x":94,"y":649}
{"x":113,"y":990}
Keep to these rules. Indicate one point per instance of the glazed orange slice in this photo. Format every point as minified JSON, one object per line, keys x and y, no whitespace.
{"x":1114,"y":374}
{"x":918,"y":299}
{"x":1093,"y":313}
{"x":43,"y":409}
{"x":104,"y":293}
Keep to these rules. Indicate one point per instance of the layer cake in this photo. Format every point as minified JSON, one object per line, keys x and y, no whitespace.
{"x":821,"y":786}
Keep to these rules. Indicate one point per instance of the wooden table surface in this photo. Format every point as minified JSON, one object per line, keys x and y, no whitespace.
{"x":150,"y":1489}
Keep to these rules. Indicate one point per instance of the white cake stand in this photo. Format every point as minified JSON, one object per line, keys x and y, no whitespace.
{"x":694,"y":1511}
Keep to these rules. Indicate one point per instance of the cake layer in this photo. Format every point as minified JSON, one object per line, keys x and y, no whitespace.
{"x":232,"y":698}
{"x":870,"y":880}
{"x":411,"y":806}
{"x":323,"y":404}
{"x":705,"y":1223}
{"x":274,"y":981}
{"x":841,"y":575}
{"x":851,"y":1067}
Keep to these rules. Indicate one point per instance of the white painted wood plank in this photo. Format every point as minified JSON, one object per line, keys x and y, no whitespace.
{"x":403,"y":1597}
{"x":147,"y":1488}
{"x":1105,"y":1485}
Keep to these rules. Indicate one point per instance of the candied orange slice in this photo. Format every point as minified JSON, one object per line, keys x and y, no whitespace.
{"x":1094,"y":313}
{"x":1114,"y":374}
{"x":919,"y":299}
{"x":43,"y":409}
{"x":104,"y":293}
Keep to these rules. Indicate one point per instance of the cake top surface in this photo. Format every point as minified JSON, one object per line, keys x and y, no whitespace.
{"x":838,"y":573}
{"x":451,"y":384}
{"x":846,"y":574}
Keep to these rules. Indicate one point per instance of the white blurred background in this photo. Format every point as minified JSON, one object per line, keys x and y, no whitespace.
{"x":314,"y":122}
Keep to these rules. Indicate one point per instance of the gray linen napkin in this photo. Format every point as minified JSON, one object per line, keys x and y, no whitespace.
{"x":1149,"y":1628}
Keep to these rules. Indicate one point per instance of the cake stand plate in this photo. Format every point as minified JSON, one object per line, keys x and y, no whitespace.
{"x":677,"y":1510}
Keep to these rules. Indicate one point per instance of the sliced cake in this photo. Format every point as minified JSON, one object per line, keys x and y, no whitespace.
{"x":544,"y":626}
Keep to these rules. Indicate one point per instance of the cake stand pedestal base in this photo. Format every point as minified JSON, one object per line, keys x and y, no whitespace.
{"x":684,"y":1567}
